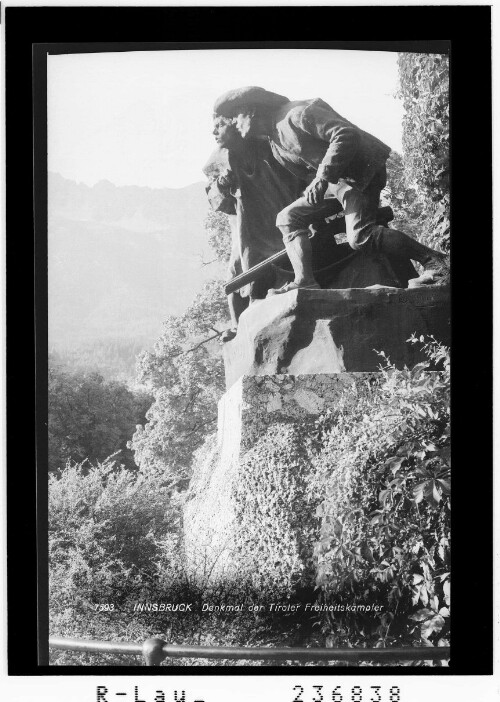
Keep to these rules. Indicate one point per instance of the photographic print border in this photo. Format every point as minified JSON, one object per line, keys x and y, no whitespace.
{"x":30,"y":34}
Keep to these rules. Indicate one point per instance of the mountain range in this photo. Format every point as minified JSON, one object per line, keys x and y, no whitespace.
{"x":120,"y":259}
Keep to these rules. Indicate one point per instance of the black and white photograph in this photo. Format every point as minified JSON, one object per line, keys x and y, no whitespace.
{"x":249,"y":337}
{"x":262,"y":326}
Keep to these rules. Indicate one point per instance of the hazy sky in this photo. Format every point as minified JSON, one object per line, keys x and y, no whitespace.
{"x":144,"y":118}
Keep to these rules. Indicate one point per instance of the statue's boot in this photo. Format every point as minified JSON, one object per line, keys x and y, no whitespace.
{"x":292,"y":286}
{"x":436,"y":272}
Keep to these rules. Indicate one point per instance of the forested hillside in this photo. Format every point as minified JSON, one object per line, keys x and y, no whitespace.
{"x":120,"y":260}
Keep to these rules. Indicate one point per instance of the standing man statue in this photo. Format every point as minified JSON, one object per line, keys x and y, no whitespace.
{"x":338,"y":160}
{"x":244,"y":180}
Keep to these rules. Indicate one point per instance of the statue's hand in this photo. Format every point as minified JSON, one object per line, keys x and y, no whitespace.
{"x":226,"y":179}
{"x":315,"y":191}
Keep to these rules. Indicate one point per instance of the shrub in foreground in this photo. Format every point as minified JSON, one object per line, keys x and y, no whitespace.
{"x":111,"y":532}
{"x":383,"y":473}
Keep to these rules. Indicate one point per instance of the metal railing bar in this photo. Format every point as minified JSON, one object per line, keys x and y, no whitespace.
{"x":98,"y":646}
{"x":155,"y":650}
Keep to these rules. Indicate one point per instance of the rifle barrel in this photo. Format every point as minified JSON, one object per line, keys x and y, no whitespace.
{"x":252,"y":273}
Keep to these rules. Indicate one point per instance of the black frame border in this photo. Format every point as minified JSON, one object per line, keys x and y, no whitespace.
{"x":31,"y":33}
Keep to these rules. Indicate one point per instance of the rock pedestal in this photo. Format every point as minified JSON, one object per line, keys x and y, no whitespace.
{"x":293,"y":356}
{"x":333,"y":331}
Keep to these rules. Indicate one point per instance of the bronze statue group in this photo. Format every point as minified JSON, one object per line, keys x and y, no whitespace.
{"x":283,"y":169}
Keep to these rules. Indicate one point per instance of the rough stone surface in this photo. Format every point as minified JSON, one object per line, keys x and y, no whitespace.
{"x":245,"y":412}
{"x":332,"y":331}
{"x":255,"y":402}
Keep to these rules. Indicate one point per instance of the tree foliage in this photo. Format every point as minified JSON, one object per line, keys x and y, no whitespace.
{"x":403,"y":198}
{"x":218,"y":227}
{"x":90,"y":418}
{"x":424,"y":90}
{"x":184,"y":371}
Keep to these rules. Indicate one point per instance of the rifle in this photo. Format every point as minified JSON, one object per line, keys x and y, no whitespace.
{"x":334,"y":224}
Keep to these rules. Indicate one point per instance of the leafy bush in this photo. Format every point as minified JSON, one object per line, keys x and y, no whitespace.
{"x":383,"y":475}
{"x":112,"y":537}
{"x":424,"y":90}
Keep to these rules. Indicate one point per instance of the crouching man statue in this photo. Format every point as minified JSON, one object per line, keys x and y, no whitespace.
{"x":340,"y":162}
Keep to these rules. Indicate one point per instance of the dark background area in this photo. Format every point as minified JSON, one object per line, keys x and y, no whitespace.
{"x":466,"y":32}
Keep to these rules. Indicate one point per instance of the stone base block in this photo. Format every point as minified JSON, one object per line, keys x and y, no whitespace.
{"x":212,"y":521}
{"x":332,"y":331}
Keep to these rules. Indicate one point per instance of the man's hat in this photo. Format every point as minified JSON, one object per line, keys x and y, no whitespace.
{"x":231,"y":102}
